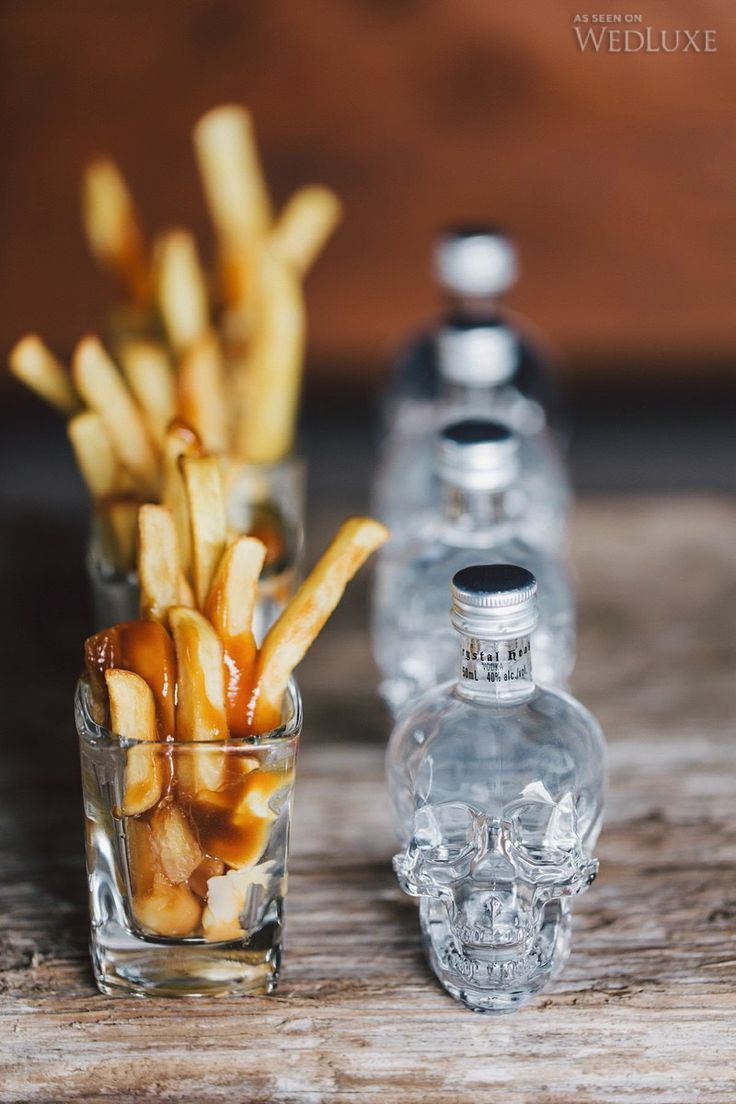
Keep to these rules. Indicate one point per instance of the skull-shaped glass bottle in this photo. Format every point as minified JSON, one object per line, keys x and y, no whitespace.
{"x":497,"y":793}
{"x":485,"y":514}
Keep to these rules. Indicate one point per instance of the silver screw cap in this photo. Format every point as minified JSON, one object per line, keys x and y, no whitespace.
{"x":498,"y":599}
{"x":475,"y":261}
{"x":478,"y":454}
{"x":477,"y":354}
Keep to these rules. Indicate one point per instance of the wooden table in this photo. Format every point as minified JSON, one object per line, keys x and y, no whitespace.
{"x":646,"y":1009}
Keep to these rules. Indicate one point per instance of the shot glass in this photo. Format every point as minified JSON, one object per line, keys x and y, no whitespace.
{"x":186,"y":895}
{"x":115,"y":593}
{"x":264,"y":500}
{"x":267,"y":501}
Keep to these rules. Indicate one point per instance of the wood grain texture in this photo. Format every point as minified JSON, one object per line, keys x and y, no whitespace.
{"x":645,"y":1011}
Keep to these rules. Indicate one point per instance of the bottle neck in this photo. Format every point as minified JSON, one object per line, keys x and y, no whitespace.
{"x":487,"y":396}
{"x":476,"y":510}
{"x":472,"y":306}
{"x":495,"y":671}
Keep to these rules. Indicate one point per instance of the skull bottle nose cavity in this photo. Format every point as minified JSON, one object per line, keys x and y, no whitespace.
{"x":493,"y":865}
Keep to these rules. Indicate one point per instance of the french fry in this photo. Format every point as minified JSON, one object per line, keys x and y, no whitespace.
{"x":252,"y":809}
{"x":158,"y":906}
{"x":159,"y":567}
{"x":231,"y":173}
{"x":200,"y":714}
{"x":150,"y":377}
{"x":207,"y":520}
{"x":202,"y":392}
{"x":112,"y":227}
{"x":201,"y":706}
{"x":180,"y":440}
{"x":237,"y":277}
{"x":177,"y":846}
{"x":33,"y":363}
{"x":145,"y":648}
{"x":305,"y":224}
{"x":230,"y":607}
{"x":182,"y":291}
{"x":103,"y":388}
{"x":208,"y":868}
{"x":95,"y":455}
{"x":288,"y":639}
{"x":267,"y":421}
{"x":133,"y":716}
{"x":117,"y":528}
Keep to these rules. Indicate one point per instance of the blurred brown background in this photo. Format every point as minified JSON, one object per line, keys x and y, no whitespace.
{"x":617,"y":173}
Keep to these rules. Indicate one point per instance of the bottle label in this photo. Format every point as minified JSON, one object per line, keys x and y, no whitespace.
{"x":495,"y":662}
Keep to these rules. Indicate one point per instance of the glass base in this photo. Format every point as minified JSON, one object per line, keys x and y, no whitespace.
{"x":125,"y":965}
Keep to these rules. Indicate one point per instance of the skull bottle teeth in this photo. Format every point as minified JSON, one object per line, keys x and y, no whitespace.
{"x":497,"y":794}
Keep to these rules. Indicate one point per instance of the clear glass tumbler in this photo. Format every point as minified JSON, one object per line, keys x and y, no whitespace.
{"x":115,"y":594}
{"x":187,"y":847}
{"x":264,"y":500}
{"x":268,"y":501}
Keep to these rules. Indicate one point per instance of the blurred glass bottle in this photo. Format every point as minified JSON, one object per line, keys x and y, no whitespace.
{"x":474,"y":265}
{"x":485,"y":515}
{"x":476,"y":361}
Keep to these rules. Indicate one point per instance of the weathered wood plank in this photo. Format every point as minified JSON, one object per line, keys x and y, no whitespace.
{"x":645,"y":1010}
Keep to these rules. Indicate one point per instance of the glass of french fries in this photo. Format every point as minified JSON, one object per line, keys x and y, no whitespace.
{"x":186,"y":850}
{"x":188,"y":728}
{"x":195,"y":358}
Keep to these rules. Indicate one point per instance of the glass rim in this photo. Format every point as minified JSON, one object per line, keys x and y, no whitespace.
{"x":96,"y":735}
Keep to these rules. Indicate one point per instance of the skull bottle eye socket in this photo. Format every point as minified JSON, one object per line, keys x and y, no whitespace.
{"x":447,"y":832}
{"x":544,"y":831}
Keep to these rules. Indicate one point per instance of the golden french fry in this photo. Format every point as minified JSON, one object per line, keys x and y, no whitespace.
{"x":202,"y":392}
{"x":305,"y":224}
{"x":230,"y":607}
{"x":95,"y":455}
{"x":117,"y":531}
{"x":133,"y":716}
{"x":171,"y":910}
{"x":177,"y":846}
{"x":103,"y":388}
{"x":112,"y":227}
{"x":252,"y":806}
{"x":265,"y":432}
{"x":200,"y":714}
{"x":201,"y":706}
{"x":201,"y":681}
{"x":207,"y":520}
{"x":233,"y":181}
{"x":159,"y":568}
{"x":182,"y":290}
{"x":159,"y":906}
{"x":180,"y":440}
{"x":33,"y":363}
{"x":150,"y":377}
{"x":237,"y":272}
{"x":208,"y":868}
{"x":145,"y":648}
{"x":288,"y":639}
